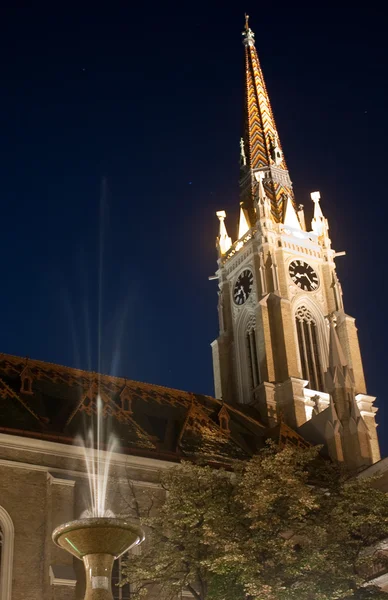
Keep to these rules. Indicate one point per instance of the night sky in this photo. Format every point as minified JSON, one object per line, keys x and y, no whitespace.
{"x":119,"y":139}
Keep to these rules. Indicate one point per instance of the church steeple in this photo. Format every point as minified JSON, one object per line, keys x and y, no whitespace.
{"x":260,"y":145}
{"x":276,"y":284}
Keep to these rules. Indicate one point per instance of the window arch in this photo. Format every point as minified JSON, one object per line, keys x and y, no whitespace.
{"x":309,"y":348}
{"x":247,"y":357}
{"x":6,"y":554}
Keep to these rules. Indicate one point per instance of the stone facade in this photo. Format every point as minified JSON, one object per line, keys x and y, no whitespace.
{"x":278,"y":290}
{"x":42,"y":485}
{"x":43,"y":482}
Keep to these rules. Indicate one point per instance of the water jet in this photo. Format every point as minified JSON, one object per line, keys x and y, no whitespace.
{"x":100,"y":537}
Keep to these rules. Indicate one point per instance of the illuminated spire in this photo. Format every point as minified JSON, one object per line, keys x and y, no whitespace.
{"x":261,"y":142}
{"x":224,"y":242}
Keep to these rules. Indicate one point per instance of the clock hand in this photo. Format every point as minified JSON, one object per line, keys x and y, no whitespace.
{"x":308,"y":279}
{"x":299,"y":275}
{"x":243,"y":291}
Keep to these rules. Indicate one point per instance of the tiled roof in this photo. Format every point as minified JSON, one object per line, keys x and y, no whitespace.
{"x":148,"y":419}
{"x":260,"y":139}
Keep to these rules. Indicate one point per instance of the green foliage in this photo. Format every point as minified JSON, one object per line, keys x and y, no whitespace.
{"x":286,"y":525}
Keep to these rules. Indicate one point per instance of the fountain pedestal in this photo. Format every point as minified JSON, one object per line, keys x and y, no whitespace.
{"x":98,"y":542}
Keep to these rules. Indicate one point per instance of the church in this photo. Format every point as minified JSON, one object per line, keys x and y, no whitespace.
{"x":287,"y":366}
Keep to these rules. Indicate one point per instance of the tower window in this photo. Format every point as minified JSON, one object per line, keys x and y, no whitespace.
{"x":253,"y":365}
{"x":311,"y":363}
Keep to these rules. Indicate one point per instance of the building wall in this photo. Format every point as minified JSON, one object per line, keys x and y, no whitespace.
{"x":23,"y":494}
{"x":42,"y":485}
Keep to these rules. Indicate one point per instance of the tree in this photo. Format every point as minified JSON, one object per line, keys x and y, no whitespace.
{"x":286,"y":525}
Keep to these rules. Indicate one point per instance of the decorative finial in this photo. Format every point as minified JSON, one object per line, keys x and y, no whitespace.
{"x":315,"y":196}
{"x":224,"y":241}
{"x":318,"y":222}
{"x":248,"y":35}
{"x":243,"y":158}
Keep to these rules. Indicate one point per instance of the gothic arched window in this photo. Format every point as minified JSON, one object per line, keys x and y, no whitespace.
{"x":253,"y":365}
{"x":6,"y":554}
{"x":306,"y":327}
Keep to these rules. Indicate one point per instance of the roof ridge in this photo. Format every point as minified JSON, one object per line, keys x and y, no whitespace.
{"x":123,"y":380}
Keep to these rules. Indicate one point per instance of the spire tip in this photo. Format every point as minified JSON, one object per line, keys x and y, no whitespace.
{"x":315,"y":196}
{"x":248,"y":35}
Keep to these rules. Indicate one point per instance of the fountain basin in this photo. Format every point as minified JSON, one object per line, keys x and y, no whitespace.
{"x":97,"y":535}
{"x":97,"y":542}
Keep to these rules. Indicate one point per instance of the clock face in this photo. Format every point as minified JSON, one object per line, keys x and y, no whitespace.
{"x":243,"y":287}
{"x":303,"y":275}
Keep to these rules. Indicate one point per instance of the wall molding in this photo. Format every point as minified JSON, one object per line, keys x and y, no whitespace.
{"x":6,"y":555}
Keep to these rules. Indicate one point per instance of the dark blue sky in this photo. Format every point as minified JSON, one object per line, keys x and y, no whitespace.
{"x":150,"y":97}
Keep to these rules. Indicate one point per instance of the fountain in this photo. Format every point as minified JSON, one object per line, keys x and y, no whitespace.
{"x":98,"y":538}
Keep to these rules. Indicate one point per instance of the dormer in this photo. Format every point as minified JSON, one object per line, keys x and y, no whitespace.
{"x":276,"y":153}
{"x":224,"y":418}
{"x":126,"y":400}
{"x":26,"y":379}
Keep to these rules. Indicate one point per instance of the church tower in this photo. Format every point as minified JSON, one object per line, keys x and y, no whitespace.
{"x":286,"y":344}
